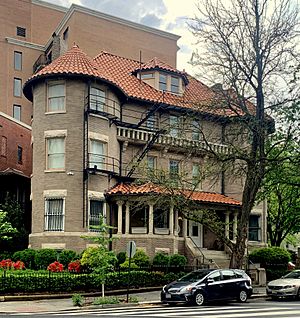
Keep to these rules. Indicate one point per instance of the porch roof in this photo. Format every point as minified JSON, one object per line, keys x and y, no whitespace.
{"x":150,"y":188}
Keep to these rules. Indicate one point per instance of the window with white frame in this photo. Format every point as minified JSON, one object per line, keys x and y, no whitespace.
{"x":196,"y":175}
{"x":150,"y":122}
{"x":162,"y":82}
{"x":195,"y":130}
{"x":174,"y":169}
{"x":96,"y":211}
{"x":254,"y":228}
{"x":175,"y":84}
{"x":97,"y":99}
{"x":55,"y":153}
{"x":96,"y":154}
{"x":174,"y":126}
{"x":151,"y":163}
{"x":56,"y":97}
{"x":54,"y":214}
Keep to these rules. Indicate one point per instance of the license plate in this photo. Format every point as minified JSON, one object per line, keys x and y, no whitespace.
{"x":168,"y":296}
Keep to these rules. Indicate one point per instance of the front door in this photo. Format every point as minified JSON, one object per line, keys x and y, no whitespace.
{"x":196,"y":233}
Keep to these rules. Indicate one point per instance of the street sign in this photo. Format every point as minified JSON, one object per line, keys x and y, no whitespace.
{"x":130,"y":249}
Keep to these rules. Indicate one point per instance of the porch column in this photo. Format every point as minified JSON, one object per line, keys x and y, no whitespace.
{"x":150,"y":218}
{"x":127,"y":218}
{"x":171,"y":220}
{"x":120,"y":205}
{"x":227,"y":224}
{"x":235,"y":215}
{"x":184,"y":229}
{"x":176,"y":222}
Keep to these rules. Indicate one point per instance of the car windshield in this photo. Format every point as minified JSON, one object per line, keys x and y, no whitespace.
{"x":193,"y":276}
{"x":295,"y":274}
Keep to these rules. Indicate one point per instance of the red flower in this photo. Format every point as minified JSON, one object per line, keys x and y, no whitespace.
{"x":56,"y":267}
{"x":74,"y":266}
{"x":7,"y":264}
{"x":19,"y":265}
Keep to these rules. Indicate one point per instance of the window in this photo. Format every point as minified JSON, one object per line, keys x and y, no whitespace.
{"x":195,"y":130}
{"x":215,"y":276}
{"x":18,"y":60}
{"x":150,"y":122}
{"x":96,"y":211}
{"x":147,"y":76}
{"x":17,"y":112}
{"x":196,"y":174}
{"x":174,"y":169}
{"x":254,"y":228}
{"x":56,"y":153}
{"x":20,"y":155}
{"x":228,"y":274}
{"x":174,"y":84}
{"x":54,"y":214}
{"x":97,"y":99}
{"x":161,"y":218}
{"x":21,"y":31}
{"x":66,"y":34}
{"x":3,"y":146}
{"x":56,"y":97}
{"x":151,"y":161}
{"x":174,"y":126}
{"x":17,"y":87}
{"x":96,"y":155}
{"x":162,"y":82}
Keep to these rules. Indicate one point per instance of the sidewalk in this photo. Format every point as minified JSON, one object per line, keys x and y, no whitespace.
{"x":22,"y":305}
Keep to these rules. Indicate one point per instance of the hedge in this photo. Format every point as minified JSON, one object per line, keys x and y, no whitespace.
{"x":43,"y":281}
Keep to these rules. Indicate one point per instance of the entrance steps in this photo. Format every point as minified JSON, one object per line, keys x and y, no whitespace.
{"x":207,"y":258}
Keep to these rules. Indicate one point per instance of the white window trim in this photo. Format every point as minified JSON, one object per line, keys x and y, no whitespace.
{"x":52,"y":194}
{"x":99,"y":137}
{"x":55,"y":133}
{"x":49,"y":134}
{"x":96,"y":196}
{"x":52,"y":83}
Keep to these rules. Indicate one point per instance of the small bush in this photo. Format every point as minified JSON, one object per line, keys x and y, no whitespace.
{"x":27,"y":256}
{"x":270,"y":256}
{"x":66,"y":257}
{"x":161,"y":259}
{"x":121,"y":258}
{"x":106,"y":300}
{"x":44,"y":257}
{"x":126,"y":265}
{"x":78,"y":300}
{"x":178,"y":260}
{"x":141,"y":259}
{"x":55,"y":267}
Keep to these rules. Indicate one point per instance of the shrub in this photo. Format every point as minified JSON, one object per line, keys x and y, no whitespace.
{"x":66,"y":257}
{"x":44,"y":257}
{"x":74,"y":266}
{"x":106,"y":300}
{"x":5,"y":255}
{"x":78,"y":300}
{"x":27,"y":256}
{"x":269,"y":256}
{"x":121,"y":258}
{"x":55,"y":267}
{"x":125,"y":265}
{"x":178,"y":260}
{"x":141,"y":259}
{"x":161,"y":259}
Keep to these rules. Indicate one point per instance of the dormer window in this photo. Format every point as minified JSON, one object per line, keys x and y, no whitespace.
{"x":146,"y":76}
{"x":175,"y":84}
{"x":162,"y":82}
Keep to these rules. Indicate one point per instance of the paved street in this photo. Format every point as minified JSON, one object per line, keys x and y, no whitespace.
{"x":254,"y":308}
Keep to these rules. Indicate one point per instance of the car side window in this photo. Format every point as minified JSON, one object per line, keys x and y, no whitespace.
{"x":216,"y":276}
{"x":228,"y":274}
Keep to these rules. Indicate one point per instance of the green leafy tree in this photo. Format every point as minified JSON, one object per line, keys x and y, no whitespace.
{"x":6,"y":229}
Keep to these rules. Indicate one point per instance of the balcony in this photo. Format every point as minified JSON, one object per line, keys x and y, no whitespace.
{"x":102,"y":164}
{"x":142,"y":137}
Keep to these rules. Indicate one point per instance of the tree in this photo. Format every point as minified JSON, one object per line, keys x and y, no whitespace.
{"x":249,"y":46}
{"x":6,"y":229}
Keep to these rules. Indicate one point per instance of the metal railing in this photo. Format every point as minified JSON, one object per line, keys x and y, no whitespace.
{"x":103,"y":163}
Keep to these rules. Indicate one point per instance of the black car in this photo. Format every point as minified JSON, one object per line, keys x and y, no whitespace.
{"x":204,"y":285}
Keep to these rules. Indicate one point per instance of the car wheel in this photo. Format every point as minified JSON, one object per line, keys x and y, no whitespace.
{"x":199,"y":299}
{"x":243,"y":296}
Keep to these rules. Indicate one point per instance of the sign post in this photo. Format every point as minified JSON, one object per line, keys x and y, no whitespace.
{"x":130,"y":251}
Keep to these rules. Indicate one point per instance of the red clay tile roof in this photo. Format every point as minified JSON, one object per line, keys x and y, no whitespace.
{"x":74,"y":61}
{"x":156,"y":63}
{"x":150,"y":188}
{"x":119,"y":72}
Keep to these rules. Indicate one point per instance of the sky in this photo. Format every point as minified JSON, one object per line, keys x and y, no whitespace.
{"x":167,"y":15}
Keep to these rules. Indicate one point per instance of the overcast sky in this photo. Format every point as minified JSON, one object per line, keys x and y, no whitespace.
{"x":167,"y":15}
